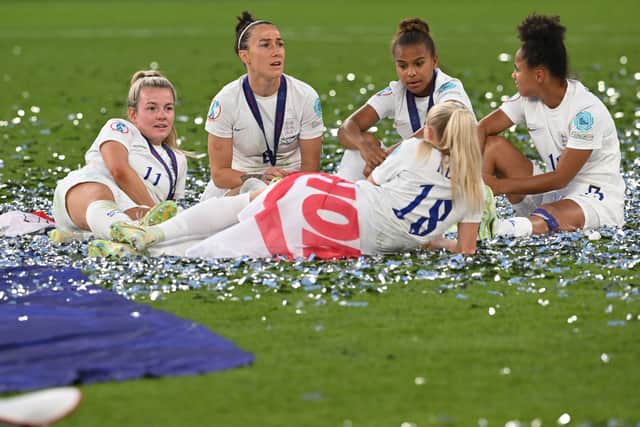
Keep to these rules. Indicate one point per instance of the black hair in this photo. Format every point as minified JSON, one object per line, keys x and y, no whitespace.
{"x":413,"y":31}
{"x":543,"y":44}
{"x":244,"y":21}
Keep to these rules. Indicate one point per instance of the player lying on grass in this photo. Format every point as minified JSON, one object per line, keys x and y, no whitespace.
{"x":574,"y":134}
{"x":131,"y":167}
{"x":428,"y":184}
{"x":264,"y":124}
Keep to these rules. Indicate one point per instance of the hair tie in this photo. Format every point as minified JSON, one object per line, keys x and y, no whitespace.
{"x":246,"y":28}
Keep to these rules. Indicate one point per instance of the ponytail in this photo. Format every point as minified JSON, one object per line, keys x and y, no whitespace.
{"x":456,"y":129}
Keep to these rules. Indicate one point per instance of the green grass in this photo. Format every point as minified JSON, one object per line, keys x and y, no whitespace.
{"x":336,"y":365}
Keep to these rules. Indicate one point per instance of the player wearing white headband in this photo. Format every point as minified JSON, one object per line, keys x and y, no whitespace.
{"x":264,"y":124}
{"x":574,"y":134}
{"x":420,"y":86}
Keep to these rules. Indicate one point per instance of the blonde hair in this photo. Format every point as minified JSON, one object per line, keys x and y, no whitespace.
{"x":152,"y":78}
{"x":456,"y":130}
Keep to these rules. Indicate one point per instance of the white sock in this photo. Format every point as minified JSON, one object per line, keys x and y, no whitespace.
{"x":517,"y":226}
{"x":101,"y":214}
{"x":351,"y":166}
{"x":203,"y":219}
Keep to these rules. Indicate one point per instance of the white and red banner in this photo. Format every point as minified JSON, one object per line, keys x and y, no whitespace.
{"x":301,"y":215}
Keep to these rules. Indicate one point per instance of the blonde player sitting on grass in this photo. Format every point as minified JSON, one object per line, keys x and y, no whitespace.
{"x":574,"y":134}
{"x":428,"y":184}
{"x":133,"y":171}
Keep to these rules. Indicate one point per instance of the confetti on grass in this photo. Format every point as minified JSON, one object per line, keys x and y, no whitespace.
{"x":504,"y":265}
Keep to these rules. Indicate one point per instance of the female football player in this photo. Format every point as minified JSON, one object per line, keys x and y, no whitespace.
{"x":131,"y":167}
{"x":574,"y":134}
{"x":420,"y":86}
{"x":426,"y":185}
{"x":266,"y":123}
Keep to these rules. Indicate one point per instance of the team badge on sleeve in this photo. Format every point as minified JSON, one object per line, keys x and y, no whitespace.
{"x":119,"y":127}
{"x":214,"y":110}
{"x":447,"y":86}
{"x":317,"y":107}
{"x":385,"y":92}
{"x":583,"y":121}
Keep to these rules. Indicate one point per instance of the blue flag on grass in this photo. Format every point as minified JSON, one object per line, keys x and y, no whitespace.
{"x":55,"y":332}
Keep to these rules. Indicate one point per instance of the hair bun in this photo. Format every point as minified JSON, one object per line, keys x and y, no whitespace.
{"x":413,"y":24}
{"x":541,"y":28}
{"x":244,"y":19}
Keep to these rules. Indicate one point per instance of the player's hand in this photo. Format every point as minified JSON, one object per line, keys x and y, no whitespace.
{"x":273,"y":172}
{"x":494,"y":183}
{"x":372,"y":154}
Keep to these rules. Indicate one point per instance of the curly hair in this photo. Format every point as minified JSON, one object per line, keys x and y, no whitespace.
{"x":543,"y":44}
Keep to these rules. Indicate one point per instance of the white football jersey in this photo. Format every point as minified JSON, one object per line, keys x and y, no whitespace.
{"x":582,"y":122}
{"x":157,"y":176}
{"x":391,"y":102}
{"x":230,"y":117}
{"x":412,"y":202}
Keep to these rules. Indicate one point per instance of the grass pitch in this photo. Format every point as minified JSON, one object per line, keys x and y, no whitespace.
{"x":544,"y":332}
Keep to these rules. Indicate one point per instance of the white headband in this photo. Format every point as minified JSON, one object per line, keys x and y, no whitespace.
{"x":246,"y":28}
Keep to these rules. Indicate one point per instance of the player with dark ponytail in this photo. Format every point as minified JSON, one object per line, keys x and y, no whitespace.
{"x":264,"y":124}
{"x":573,"y":132}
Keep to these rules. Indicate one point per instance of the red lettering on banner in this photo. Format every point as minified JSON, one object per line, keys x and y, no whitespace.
{"x":269,"y":220}
{"x":312,"y":204}
{"x":324,"y":248}
{"x":332,"y":186}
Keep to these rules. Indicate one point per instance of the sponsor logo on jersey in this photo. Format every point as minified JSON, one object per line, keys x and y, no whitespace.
{"x":119,"y":127}
{"x":317,"y":107}
{"x":585,"y":136}
{"x":385,"y":92}
{"x":447,"y":86}
{"x":583,"y":121}
{"x":214,"y":110}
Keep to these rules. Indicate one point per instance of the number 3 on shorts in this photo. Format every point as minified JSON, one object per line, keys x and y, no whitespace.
{"x":595,"y":191}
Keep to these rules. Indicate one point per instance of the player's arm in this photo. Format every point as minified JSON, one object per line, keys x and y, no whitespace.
{"x":492,"y":124}
{"x":368,"y":169}
{"x":353,"y":135}
{"x":569,"y":164}
{"x":116,"y":159}
{"x":465,"y":243}
{"x":310,"y":152}
{"x":220,"y":156}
